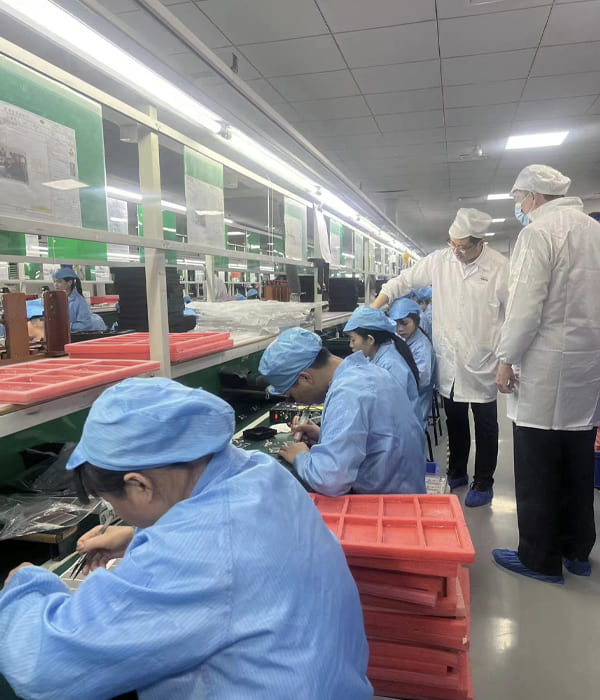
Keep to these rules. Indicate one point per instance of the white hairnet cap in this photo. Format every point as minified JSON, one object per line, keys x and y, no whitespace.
{"x":470,"y":222}
{"x":542,"y":179}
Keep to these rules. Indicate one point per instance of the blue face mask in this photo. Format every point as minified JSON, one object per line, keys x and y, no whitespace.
{"x":521,"y":216}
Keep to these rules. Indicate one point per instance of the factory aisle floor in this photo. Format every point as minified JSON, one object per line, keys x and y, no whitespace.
{"x":528,"y":639}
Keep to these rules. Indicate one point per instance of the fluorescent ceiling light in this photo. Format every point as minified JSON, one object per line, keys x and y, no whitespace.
{"x":551,"y":138}
{"x":228,"y":221}
{"x":65,"y":184}
{"x":237,"y":266}
{"x":490,"y":233}
{"x":118,"y":219}
{"x":498,"y":221}
{"x":504,"y":195}
{"x":173,"y":207}
{"x":236,"y":233}
{"x":170,"y":230}
{"x":208,"y":212}
{"x":126,"y":194}
{"x":267,"y":268}
{"x":75,"y":36}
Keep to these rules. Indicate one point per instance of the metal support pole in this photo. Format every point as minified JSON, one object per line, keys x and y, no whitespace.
{"x":318,"y":299}
{"x":209,"y":284}
{"x":156,"y":280}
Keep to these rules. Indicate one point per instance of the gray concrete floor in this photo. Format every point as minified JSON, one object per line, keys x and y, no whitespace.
{"x":529,"y":640}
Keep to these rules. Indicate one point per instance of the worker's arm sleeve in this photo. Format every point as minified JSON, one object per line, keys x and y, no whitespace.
{"x":122,"y":630}
{"x":419,"y":275}
{"x":422,"y":355}
{"x":331,"y":466}
{"x":79,"y":314}
{"x":529,"y":277}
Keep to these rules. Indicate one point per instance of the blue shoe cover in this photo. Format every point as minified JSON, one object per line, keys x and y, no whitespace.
{"x":509,"y":559}
{"x":477,"y":498}
{"x":458,"y":482}
{"x":579,"y":568}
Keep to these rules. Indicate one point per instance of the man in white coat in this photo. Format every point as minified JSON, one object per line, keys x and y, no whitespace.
{"x":470,"y":282}
{"x":550,"y":364}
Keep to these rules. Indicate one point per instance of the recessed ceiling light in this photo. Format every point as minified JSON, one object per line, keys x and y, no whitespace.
{"x":498,"y":221}
{"x":503,"y":195}
{"x":551,"y":138}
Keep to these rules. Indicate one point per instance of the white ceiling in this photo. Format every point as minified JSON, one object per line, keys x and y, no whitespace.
{"x":395,"y":91}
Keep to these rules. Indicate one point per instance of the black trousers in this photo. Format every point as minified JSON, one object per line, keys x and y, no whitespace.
{"x":485,"y":417}
{"x":554,"y":484}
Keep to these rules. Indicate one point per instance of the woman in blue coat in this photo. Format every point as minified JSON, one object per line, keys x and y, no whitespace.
{"x":407,"y":316}
{"x":372,"y":332}
{"x":82,"y":319}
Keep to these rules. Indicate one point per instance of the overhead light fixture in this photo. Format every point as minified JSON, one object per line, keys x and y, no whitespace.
{"x":119,"y":220}
{"x":173,"y":207}
{"x":208,"y":212}
{"x":498,"y":221}
{"x":236,"y":233}
{"x":64,"y":185}
{"x":228,"y":221}
{"x":237,"y":266}
{"x":490,"y":233}
{"x":71,"y":34}
{"x":550,"y":138}
{"x":125,"y":194}
{"x":503,"y":195}
{"x":267,"y":268}
{"x":170,"y":230}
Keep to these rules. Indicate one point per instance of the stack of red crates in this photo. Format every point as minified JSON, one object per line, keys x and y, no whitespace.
{"x":407,"y":555}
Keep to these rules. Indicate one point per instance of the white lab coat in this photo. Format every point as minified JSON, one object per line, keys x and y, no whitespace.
{"x":552,"y":330}
{"x":467,"y":318}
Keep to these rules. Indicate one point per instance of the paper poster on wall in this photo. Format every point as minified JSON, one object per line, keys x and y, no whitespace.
{"x":204,"y":199}
{"x":295,"y":225}
{"x":118,"y":223}
{"x":335,"y":241}
{"x":38,"y":167}
{"x":358,"y":250}
{"x":3,"y":271}
{"x":322,"y":237}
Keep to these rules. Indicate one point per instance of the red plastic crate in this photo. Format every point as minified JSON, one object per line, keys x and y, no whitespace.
{"x":136,"y":346}
{"x":421,"y":526}
{"x":110,"y":299}
{"x":30,"y":382}
{"x":407,"y":566}
{"x":393,"y":655}
{"x":393,"y":584}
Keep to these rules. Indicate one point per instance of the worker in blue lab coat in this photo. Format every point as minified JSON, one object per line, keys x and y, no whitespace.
{"x":231,"y":585}
{"x":407,"y":316}
{"x":35,"y":320}
{"x":371,"y":332}
{"x":187,"y":310}
{"x":425,"y":310}
{"x":370,"y":440}
{"x":82,"y":319}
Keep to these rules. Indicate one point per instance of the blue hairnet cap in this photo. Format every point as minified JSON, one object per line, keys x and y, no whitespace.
{"x":240,"y":297}
{"x":424,"y":293}
{"x":154,"y":422}
{"x":402,"y":307}
{"x":186,"y":299}
{"x":371,"y":319}
{"x":291,"y":353}
{"x":252,"y":293}
{"x":34,"y":308}
{"x":65,"y":273}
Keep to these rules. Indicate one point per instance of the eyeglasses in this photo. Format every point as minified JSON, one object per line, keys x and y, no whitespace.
{"x":462,"y":248}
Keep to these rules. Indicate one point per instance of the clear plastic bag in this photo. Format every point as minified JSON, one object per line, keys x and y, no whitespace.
{"x":252,"y":318}
{"x":24,"y":514}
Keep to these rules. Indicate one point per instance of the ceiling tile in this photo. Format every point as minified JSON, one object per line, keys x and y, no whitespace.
{"x":414,"y":137}
{"x":489,"y":67}
{"x":595,"y":107}
{"x":264,"y":20}
{"x":187,"y":63}
{"x":554,"y":86}
{"x":121,"y":6}
{"x":493,"y":114}
{"x":246,"y":71}
{"x":333,"y":127}
{"x":266,"y":91}
{"x":406,"y":76}
{"x":483,"y":93}
{"x":343,"y":16}
{"x":551,"y":109}
{"x":498,"y":31}
{"x":199,"y":23}
{"x":336,"y":108}
{"x":478,"y":132}
{"x":152,"y":32}
{"x":462,"y":8}
{"x":405,"y":101}
{"x":287,"y":112}
{"x":411,"y":120}
{"x":314,"y":86}
{"x":571,"y":24}
{"x":378,"y":47}
{"x":569,"y":58}
{"x":296,"y":56}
